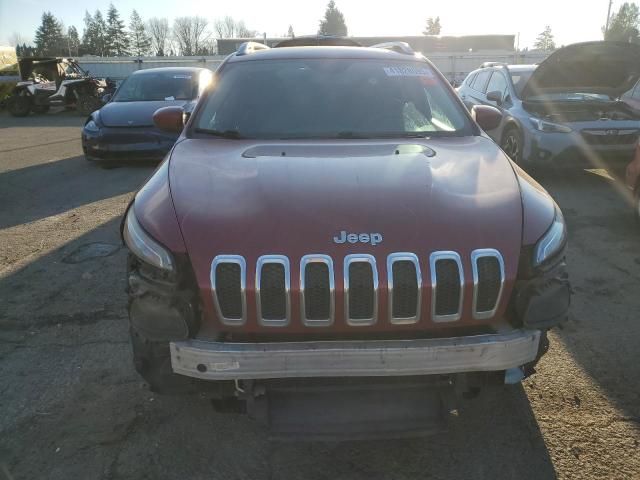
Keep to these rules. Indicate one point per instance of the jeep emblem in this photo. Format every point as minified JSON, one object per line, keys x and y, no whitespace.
{"x":372,"y":238}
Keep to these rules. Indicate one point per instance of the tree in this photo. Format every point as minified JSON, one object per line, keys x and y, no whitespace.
{"x":545,"y":40}
{"x":189,"y":33}
{"x":87,"y":35}
{"x":158,"y":29}
{"x":290,"y":32}
{"x":433,"y":26}
{"x":73,"y":41}
{"x":140,"y":41}
{"x":25,"y":51}
{"x":94,"y":37}
{"x":49,"y":38}
{"x":228,"y":27}
{"x":623,"y":26}
{"x":243,"y":32}
{"x":117,"y":40}
{"x":333,"y":22}
{"x":100,"y":29}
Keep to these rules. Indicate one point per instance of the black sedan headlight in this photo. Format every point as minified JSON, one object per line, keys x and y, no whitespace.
{"x":91,"y":126}
{"x":143,"y":246}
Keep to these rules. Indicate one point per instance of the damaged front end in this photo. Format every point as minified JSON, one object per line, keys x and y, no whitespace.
{"x":580,"y":110}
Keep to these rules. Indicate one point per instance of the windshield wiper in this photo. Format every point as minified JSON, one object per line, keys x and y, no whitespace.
{"x":349,"y":134}
{"x":231,"y":134}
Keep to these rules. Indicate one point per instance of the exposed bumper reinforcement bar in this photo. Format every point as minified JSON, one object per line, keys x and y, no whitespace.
{"x":361,"y":358}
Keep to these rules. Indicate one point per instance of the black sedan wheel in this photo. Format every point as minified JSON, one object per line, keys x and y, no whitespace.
{"x":512,"y":144}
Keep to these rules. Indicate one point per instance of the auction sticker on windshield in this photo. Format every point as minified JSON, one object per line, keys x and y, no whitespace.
{"x":408,"y":71}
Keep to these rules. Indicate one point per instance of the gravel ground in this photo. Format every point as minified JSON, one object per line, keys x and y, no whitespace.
{"x":71,"y":405}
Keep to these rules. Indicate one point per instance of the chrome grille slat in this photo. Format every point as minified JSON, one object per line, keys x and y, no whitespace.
{"x":273,"y":286}
{"x":486,"y":288}
{"x":405,"y":294}
{"x":226,"y":288}
{"x":360,"y":291}
{"x":443,"y":289}
{"x":228,"y":278}
{"x":317,"y":300}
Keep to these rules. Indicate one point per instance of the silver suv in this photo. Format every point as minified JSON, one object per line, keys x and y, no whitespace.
{"x":565,"y":110}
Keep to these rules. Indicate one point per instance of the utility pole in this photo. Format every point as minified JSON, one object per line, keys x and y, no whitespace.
{"x":606,"y":25}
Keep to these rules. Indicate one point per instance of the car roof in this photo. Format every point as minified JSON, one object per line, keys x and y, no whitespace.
{"x":522,"y":68}
{"x":169,"y":70}
{"x":286,"y":53}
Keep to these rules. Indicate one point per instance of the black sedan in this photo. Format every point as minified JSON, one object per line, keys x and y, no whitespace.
{"x":123,"y":128}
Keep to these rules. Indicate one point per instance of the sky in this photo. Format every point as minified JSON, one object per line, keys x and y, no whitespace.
{"x":570,"y":20}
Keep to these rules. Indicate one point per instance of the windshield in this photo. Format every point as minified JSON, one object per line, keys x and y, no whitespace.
{"x":157,"y":86}
{"x":520,"y":79}
{"x":338,"y":98}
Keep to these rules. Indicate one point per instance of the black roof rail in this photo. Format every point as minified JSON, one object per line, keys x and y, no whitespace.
{"x":399,"y":47}
{"x":493,"y":64}
{"x":318,"y":40}
{"x":249,"y":47}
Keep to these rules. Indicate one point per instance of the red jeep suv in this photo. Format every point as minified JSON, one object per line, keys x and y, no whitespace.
{"x":335,"y":246}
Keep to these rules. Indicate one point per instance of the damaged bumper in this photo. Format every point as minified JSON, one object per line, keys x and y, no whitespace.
{"x":478,"y":353}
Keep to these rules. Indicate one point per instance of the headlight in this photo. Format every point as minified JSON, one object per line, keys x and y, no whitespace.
{"x":91,"y":127}
{"x":551,"y":242}
{"x":143,"y":246}
{"x":548,"y":127}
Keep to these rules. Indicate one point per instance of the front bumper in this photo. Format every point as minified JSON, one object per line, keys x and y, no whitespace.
{"x":571,"y":149}
{"x":235,"y":361}
{"x":123,"y":143}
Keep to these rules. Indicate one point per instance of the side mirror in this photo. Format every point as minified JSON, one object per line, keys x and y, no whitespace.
{"x":106,"y":98}
{"x":487,"y":117}
{"x":495,"y":97}
{"x":169,"y":119}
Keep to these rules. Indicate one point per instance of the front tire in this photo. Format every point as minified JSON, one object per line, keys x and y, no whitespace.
{"x":19,"y":105}
{"x":512,"y":143}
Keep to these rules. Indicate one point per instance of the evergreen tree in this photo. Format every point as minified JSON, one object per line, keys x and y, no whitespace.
{"x":140,"y":41}
{"x":545,"y":40}
{"x":49,"y":38}
{"x":623,"y":26}
{"x":24,"y":50}
{"x":117,"y":40}
{"x":433,"y":26}
{"x":290,"y":32}
{"x":333,"y":22}
{"x":86,"y":47}
{"x":100,"y":34}
{"x":73,"y":41}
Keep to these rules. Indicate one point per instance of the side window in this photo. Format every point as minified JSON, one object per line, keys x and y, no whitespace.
{"x":481,"y":80}
{"x":497,"y":83}
{"x":636,"y":92}
{"x":470,"y":79}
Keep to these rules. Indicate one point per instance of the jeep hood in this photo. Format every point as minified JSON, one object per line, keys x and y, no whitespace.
{"x":251,"y":199}
{"x":604,"y":68}
{"x":134,"y":114}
